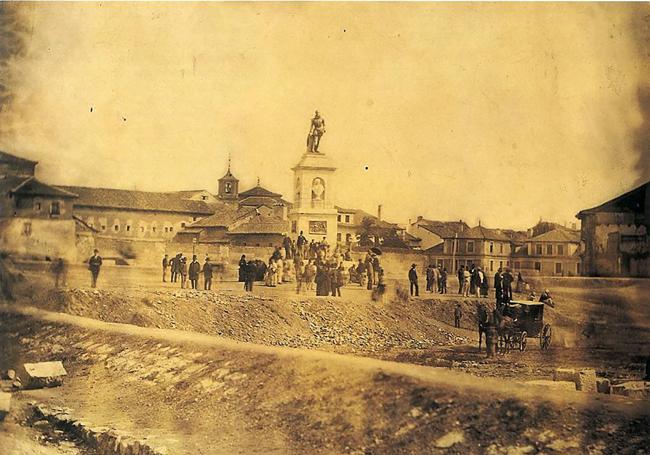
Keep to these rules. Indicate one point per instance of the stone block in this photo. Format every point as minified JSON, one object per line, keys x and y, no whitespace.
{"x":564,"y":374}
{"x":603,"y":385}
{"x":632,"y":389}
{"x":585,"y":380}
{"x":42,"y":374}
{"x":5,"y":404}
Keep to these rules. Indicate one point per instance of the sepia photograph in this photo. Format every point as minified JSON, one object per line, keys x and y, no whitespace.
{"x":362,"y":228}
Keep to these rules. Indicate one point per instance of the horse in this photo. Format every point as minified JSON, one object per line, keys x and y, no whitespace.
{"x":504,"y":327}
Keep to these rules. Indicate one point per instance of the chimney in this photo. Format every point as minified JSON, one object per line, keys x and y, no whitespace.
{"x":419,"y":217}
{"x":529,"y":233}
{"x":379,"y":212}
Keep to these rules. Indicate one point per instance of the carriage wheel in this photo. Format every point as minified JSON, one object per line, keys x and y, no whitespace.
{"x":503,"y":344}
{"x":522,"y":341}
{"x":545,"y":337}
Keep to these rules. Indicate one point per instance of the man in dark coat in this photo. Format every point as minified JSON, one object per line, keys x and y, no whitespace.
{"x":194,"y":271}
{"x":461,"y":278}
{"x":301,"y":243}
{"x":498,"y":287}
{"x":251,"y":275}
{"x":507,"y":281}
{"x":94,"y":264}
{"x":165,"y":265}
{"x":413,"y":280}
{"x":287,"y":247}
{"x":242,"y":268}
{"x":207,"y":275}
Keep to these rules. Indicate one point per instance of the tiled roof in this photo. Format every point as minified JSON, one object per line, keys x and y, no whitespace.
{"x":558,"y":235}
{"x":261,"y":224}
{"x":10,"y":182}
{"x":259,"y":191}
{"x":256,"y":201}
{"x":222,"y":218}
{"x":34,"y":187}
{"x":481,"y":232}
{"x":515,"y":236}
{"x":9,"y":158}
{"x":632,"y":201}
{"x":137,"y":200}
{"x":444,"y":229}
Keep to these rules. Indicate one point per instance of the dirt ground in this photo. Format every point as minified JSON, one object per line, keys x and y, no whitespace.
{"x":177,"y":390}
{"x":176,"y":387}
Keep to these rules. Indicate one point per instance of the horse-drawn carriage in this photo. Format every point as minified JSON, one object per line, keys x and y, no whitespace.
{"x":521,"y":320}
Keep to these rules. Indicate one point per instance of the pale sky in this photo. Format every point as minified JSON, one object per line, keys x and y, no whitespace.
{"x":503,"y":112}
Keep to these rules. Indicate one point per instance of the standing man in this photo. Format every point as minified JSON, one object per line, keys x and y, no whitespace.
{"x":461,"y":274}
{"x":182,"y":270}
{"x":207,"y":274}
{"x":165,"y":264}
{"x":429,"y":276}
{"x":507,"y":285}
{"x":443,"y":281}
{"x":94,"y":264}
{"x":458,"y":314}
{"x":287,"y":246}
{"x":413,"y":279}
{"x":435,"y":281}
{"x":301,"y":243}
{"x":466,"y":281}
{"x":498,"y":287}
{"x":194,"y":271}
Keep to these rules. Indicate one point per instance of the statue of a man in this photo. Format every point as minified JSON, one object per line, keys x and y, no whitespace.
{"x":316,"y":130}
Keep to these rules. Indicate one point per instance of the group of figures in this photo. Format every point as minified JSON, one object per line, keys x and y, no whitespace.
{"x":182,"y":271}
{"x":313,"y":266}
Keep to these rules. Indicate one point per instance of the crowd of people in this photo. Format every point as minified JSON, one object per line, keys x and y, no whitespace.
{"x":313,"y":266}
{"x":182,"y":271}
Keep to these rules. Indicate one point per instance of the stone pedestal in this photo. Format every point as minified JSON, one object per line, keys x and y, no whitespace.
{"x":313,"y":210}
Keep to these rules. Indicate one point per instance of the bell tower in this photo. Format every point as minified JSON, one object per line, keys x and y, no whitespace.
{"x":228,"y":186}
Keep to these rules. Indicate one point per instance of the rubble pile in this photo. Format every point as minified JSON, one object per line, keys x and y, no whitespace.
{"x":328,"y":323}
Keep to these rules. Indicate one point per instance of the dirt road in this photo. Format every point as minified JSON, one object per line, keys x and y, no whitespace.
{"x":194,"y":393}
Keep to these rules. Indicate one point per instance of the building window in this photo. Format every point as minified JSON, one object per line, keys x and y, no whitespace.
{"x":500,"y":247}
{"x":204,"y":197}
{"x":128,"y":228}
{"x":166,"y":229}
{"x":116,"y":227}
{"x":103,"y":227}
{"x":538,"y":249}
{"x":194,"y":218}
{"x":338,"y":218}
{"x":153,"y":228}
{"x":27,"y":229}
{"x":560,"y":250}
{"x":338,"y":237}
{"x":347,"y":218}
{"x":37,"y":206}
{"x":470,"y":246}
{"x":491,"y":247}
{"x":227,"y":187}
{"x":500,"y":264}
{"x":491,"y":266}
{"x":538,"y":266}
{"x":558,"y":267}
{"x":294,"y":227}
{"x":171,"y":229}
{"x":348,"y":238}
{"x":141,"y":228}
{"x":55,"y":209}
{"x":183,"y":225}
{"x":549,"y":250}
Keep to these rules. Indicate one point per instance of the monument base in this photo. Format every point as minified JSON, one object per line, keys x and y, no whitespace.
{"x":315,"y":226}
